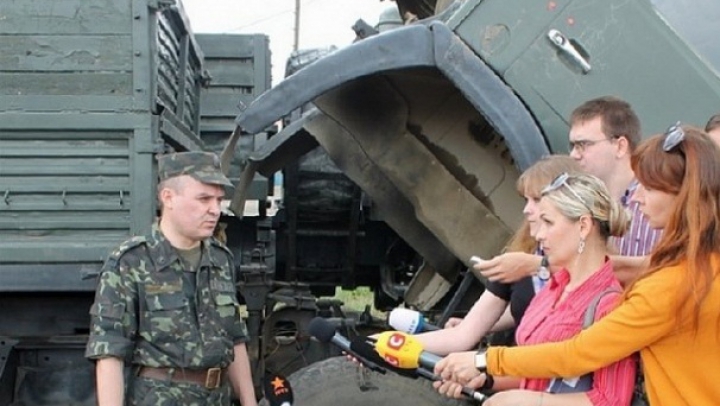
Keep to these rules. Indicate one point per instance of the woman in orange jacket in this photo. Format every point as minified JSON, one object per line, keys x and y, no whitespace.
{"x":671,"y":313}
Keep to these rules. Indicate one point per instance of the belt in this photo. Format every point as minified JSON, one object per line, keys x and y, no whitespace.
{"x":210,"y":378}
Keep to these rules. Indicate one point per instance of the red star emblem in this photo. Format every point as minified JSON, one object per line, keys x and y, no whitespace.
{"x":277,"y":383}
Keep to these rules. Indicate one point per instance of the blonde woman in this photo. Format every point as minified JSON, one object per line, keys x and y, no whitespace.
{"x":577,"y":217}
{"x":485,"y":315}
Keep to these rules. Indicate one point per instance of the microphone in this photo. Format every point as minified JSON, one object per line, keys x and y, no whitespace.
{"x":409,"y":321}
{"x":401,"y":350}
{"x":325,"y":333}
{"x":471,"y":393}
{"x":364,"y":347}
{"x":363,"y":351}
{"x":277,"y":390}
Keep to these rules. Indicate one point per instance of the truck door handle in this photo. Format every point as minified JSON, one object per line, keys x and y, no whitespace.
{"x":562,"y":43}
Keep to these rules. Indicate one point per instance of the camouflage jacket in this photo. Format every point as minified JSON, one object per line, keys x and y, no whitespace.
{"x":142,"y":315}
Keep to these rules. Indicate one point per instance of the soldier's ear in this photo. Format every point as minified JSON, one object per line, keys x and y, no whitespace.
{"x":166,"y":197}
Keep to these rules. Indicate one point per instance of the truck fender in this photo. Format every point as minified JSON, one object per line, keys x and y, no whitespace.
{"x":432,"y":45}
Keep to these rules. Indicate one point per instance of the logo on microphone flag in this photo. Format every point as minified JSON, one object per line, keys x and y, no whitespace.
{"x":399,"y":349}
{"x":392,"y":360}
{"x":396,"y":341}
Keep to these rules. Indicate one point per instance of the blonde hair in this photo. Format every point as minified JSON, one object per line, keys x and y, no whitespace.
{"x":530,"y":183}
{"x":612,"y":219}
{"x":541,"y":173}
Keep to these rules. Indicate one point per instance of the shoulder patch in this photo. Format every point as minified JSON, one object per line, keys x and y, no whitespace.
{"x":220,"y":254}
{"x":216,"y":243}
{"x":128,"y":245}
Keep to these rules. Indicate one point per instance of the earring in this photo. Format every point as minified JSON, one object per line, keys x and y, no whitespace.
{"x":581,"y":246}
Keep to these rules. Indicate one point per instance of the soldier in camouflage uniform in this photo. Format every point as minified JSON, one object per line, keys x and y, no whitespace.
{"x":166,"y":303}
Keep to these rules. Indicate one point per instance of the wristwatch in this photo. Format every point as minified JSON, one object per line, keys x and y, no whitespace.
{"x":480,"y":361}
{"x":543,"y":272}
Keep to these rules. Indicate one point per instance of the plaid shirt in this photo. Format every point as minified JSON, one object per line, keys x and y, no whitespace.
{"x":640,"y":238}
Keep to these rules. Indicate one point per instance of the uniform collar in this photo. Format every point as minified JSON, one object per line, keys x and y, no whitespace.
{"x":163,"y":254}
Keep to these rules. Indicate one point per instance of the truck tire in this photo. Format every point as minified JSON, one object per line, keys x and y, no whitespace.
{"x":338,"y":381}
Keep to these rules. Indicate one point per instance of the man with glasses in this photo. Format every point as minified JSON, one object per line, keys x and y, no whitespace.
{"x":603,"y":134}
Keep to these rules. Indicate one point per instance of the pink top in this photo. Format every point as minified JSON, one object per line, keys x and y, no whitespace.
{"x":544,"y":322}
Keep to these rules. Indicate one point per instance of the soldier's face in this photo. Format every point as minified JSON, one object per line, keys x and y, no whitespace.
{"x":193,"y":208}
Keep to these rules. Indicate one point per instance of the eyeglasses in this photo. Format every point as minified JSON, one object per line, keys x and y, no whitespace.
{"x":560,"y":181}
{"x":582,"y":145}
{"x":673,"y":137}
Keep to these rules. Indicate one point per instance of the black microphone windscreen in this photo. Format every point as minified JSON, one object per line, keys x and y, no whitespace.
{"x":321,"y":329}
{"x":277,"y":390}
{"x":365,"y":350}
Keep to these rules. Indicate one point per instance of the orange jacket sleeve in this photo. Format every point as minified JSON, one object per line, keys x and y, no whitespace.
{"x":644,"y":316}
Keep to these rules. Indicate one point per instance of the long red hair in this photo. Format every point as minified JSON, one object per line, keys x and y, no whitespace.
{"x":691,"y":171}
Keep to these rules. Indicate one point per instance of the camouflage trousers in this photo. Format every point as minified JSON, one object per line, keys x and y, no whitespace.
{"x":153,"y":392}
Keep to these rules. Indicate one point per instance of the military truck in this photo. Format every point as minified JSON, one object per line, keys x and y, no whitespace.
{"x":422,"y":131}
{"x":434,"y":121}
{"x":90,"y":92}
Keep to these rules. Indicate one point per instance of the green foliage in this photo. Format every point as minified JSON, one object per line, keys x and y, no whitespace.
{"x":356,"y":300}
